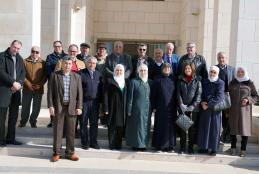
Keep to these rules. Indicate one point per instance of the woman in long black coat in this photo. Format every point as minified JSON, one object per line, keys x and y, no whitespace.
{"x":115,"y":93}
{"x":188,"y":98}
{"x":210,"y":121}
{"x":163,"y":105}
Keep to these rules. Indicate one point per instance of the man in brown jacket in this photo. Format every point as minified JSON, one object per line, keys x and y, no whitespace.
{"x":33,"y":87}
{"x":64,"y":103}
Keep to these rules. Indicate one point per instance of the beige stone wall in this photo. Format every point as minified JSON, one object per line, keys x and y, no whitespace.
{"x":137,"y":20}
{"x":16,"y":23}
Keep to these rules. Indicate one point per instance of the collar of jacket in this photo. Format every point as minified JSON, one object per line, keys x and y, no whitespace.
{"x":29,"y":59}
{"x":194,"y":77}
{"x":62,"y":54}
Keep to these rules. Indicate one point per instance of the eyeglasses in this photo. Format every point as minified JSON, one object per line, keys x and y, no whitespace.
{"x":36,"y":52}
{"x":57,"y":46}
{"x":140,"y":49}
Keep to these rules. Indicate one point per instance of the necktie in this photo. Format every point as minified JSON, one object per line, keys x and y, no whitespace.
{"x":92,"y":74}
{"x":169,"y":59}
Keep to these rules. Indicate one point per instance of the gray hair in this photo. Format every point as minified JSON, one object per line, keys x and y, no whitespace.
{"x":221,"y":53}
{"x":67,"y":58}
{"x":190,"y":44}
{"x":142,"y":65}
{"x":91,"y":58}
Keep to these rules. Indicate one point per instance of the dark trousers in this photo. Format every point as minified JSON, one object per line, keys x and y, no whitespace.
{"x":91,"y":113}
{"x":115,"y":135}
{"x":225,"y":126}
{"x":27,"y":98}
{"x":58,"y":124}
{"x":243,"y":142}
{"x":192,"y":132}
{"x":12,"y":118}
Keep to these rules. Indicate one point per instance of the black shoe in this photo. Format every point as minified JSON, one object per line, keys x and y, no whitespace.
{"x":203,"y":151}
{"x":85,"y":147}
{"x":21,"y":125}
{"x":190,"y":151}
{"x":49,"y":125}
{"x":213,"y":153}
{"x":2,"y":144}
{"x":96,"y":146}
{"x":33,"y":125}
{"x":14,"y":142}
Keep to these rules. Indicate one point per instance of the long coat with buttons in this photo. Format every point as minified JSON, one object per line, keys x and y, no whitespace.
{"x":138,"y":110}
{"x":240,"y":117}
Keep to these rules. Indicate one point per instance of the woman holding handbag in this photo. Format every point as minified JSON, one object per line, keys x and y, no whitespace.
{"x":210,"y":120}
{"x":243,"y":94}
{"x":188,"y":97}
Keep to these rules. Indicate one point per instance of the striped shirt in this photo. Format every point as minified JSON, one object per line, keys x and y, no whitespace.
{"x":66,"y":81}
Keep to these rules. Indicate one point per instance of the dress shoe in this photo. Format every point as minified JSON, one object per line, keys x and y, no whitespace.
{"x":14,"y":142}
{"x":242,"y":153}
{"x":85,"y":147}
{"x":33,"y":125}
{"x":190,"y":151}
{"x":72,"y":157}
{"x":96,"y":146}
{"x":3,"y":144}
{"x":21,"y":125}
{"x":49,"y":125}
{"x":55,"y":158}
{"x":213,"y":153}
{"x":203,"y":151}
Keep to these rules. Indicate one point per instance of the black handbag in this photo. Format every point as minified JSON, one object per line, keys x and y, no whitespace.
{"x":224,"y":104}
{"x":184,"y":122}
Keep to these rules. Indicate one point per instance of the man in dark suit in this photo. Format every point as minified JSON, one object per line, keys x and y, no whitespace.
{"x":92,"y":87}
{"x":64,"y":103}
{"x":84,"y":52}
{"x":12,"y":75}
{"x":226,"y":73}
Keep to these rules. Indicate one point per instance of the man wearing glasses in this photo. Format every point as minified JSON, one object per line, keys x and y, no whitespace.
{"x":33,"y":87}
{"x":51,"y":61}
{"x":196,"y":59}
{"x":141,"y":58}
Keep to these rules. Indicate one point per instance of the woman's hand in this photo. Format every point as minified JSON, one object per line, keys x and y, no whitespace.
{"x":245,"y":102}
{"x":204,"y":105}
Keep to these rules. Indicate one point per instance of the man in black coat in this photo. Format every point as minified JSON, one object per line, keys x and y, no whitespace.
{"x":196,"y":59}
{"x":92,"y":87}
{"x":226,"y":73}
{"x":140,"y":58}
{"x":118,"y":57}
{"x":12,"y":75}
{"x":84,"y":52}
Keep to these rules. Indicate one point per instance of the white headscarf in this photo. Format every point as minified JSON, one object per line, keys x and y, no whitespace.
{"x":214,"y":79}
{"x":242,"y":79}
{"x":119,"y":79}
{"x":143,"y":66}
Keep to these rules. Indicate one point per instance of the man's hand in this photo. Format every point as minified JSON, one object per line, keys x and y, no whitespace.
{"x":78,"y":111}
{"x":204,"y":105}
{"x":245,"y":101}
{"x":16,"y":87}
{"x":52,"y":111}
{"x":36,"y":87}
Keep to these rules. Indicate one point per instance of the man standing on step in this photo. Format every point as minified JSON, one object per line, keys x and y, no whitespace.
{"x":12,"y":75}
{"x":65,"y":104}
{"x":33,"y":87}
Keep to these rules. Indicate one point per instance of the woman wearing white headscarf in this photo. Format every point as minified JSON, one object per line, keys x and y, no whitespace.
{"x":115,"y":92}
{"x":243,"y":94}
{"x":138,"y":110}
{"x":210,"y":121}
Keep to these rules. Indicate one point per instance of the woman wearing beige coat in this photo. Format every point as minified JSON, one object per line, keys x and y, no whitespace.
{"x":243,"y":94}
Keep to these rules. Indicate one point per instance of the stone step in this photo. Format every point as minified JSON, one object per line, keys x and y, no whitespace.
{"x":45,"y":152}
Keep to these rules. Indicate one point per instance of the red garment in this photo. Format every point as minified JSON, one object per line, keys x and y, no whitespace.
{"x":74,"y":67}
{"x":188,"y":78}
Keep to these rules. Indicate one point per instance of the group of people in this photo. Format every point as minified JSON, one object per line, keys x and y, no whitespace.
{"x":124,"y":91}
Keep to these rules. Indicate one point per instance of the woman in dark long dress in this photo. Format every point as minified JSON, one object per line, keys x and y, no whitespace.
{"x":115,"y":106}
{"x":210,"y":121}
{"x":188,"y":98}
{"x":164,"y":106}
